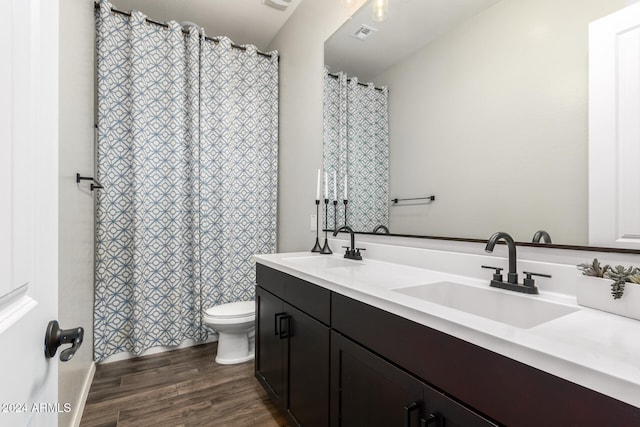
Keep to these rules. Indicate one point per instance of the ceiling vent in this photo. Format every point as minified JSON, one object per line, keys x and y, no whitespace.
{"x":277,"y":4}
{"x":363,"y":32}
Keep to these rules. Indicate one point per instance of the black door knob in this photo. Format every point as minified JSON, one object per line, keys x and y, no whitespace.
{"x":55,"y":337}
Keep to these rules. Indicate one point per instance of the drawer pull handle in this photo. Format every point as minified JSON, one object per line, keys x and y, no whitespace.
{"x":433,"y":419}
{"x":283,"y":333}
{"x":407,"y":412}
{"x":276,"y":327}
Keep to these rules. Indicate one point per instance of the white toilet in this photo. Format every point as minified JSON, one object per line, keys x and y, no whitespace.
{"x":235,"y":324}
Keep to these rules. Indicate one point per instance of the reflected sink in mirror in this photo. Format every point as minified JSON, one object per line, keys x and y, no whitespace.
{"x":321,"y":262}
{"x":512,"y":309}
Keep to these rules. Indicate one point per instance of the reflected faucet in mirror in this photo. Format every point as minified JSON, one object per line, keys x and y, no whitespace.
{"x":382,"y":228}
{"x":541,"y":235}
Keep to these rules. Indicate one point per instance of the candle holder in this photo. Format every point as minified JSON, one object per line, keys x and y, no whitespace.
{"x":345,"y":201}
{"x":326,"y":250}
{"x":335,"y":215}
{"x":316,"y":247}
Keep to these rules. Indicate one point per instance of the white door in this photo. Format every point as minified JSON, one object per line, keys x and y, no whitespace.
{"x":28,"y":210}
{"x":614,"y":129}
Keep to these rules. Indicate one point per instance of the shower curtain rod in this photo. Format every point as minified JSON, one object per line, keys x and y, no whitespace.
{"x":335,"y":76}
{"x":165,"y":25}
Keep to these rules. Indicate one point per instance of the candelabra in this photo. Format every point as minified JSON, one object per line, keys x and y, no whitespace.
{"x":345,"y":201}
{"x":316,"y":247}
{"x":326,"y":249}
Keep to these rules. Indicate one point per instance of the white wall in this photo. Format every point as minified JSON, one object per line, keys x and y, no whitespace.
{"x":76,"y":211}
{"x":301,"y":46}
{"x":498,"y":100}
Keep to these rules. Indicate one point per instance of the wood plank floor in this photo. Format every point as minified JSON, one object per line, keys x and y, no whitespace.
{"x":178,"y":388}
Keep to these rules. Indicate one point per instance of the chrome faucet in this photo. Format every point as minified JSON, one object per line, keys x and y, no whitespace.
{"x":351,"y":251}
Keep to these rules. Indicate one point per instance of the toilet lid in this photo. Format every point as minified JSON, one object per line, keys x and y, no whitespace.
{"x":232,"y":309}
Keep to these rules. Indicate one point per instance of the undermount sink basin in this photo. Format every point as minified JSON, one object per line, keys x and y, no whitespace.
{"x":385,"y":275}
{"x":511,"y":309}
{"x":324,"y":261}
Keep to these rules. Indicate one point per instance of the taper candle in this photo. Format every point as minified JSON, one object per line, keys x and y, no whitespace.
{"x":345,"y":187}
{"x":326,"y":189}
{"x":318,"y":186}
{"x":335,"y":185}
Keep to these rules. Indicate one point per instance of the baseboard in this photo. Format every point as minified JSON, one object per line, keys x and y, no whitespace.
{"x":77,"y":416}
{"x":125,"y":355}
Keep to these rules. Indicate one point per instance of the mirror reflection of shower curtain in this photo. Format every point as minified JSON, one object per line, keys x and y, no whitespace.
{"x":187,"y":154}
{"x":356,"y":144}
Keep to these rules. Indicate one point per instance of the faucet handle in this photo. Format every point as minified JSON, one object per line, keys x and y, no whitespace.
{"x":353,"y":253}
{"x":497,"y":276}
{"x":357,"y":253}
{"x":529,"y":281}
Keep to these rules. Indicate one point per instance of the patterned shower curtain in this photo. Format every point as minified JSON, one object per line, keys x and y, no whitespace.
{"x":356,"y":143}
{"x":334,"y":136}
{"x":187,"y":153}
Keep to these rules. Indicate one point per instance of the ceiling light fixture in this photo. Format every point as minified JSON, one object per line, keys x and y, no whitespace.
{"x":348,"y":3}
{"x":277,"y":4}
{"x":379,"y":10}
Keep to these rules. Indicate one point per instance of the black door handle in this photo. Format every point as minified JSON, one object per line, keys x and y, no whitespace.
{"x":276,"y":327}
{"x":55,"y":337}
{"x":283,"y":333}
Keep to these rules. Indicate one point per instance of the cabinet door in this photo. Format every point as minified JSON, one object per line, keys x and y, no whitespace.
{"x":368,"y":391}
{"x":444,"y":412}
{"x":307,"y":395}
{"x":292,"y":360}
{"x":270,"y":343}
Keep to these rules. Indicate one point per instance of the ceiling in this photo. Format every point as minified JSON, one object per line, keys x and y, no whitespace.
{"x":411,"y":25}
{"x":243,"y":21}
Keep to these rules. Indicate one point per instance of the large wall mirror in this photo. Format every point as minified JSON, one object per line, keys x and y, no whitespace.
{"x":487,"y":111}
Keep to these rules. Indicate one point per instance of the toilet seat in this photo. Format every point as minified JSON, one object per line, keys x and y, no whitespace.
{"x":233,"y":310}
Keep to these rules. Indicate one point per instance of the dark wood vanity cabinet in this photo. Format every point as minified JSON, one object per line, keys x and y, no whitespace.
{"x":506,"y":391}
{"x":368,"y":391}
{"x":327,"y":359}
{"x":292,"y":347}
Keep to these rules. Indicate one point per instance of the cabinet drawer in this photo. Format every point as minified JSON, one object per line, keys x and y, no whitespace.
{"x":307,"y":297}
{"x":504,"y":389}
{"x":368,"y":390}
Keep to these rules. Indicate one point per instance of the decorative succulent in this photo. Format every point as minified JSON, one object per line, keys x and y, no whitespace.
{"x":618,"y":274}
{"x":594,"y":269}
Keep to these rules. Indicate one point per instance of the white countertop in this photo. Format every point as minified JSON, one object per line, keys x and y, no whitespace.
{"x":597,"y":350}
